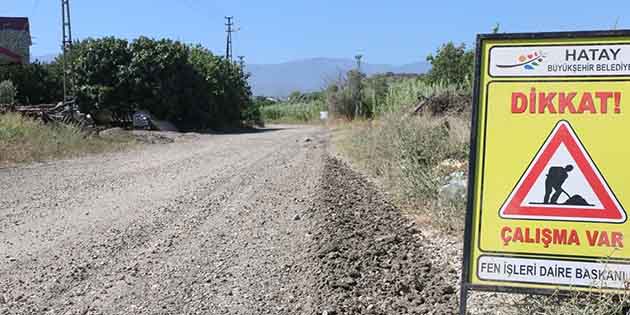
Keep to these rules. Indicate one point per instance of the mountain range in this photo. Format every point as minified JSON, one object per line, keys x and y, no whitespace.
{"x":308,"y":75}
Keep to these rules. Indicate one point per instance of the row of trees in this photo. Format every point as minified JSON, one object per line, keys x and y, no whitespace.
{"x":184,"y":84}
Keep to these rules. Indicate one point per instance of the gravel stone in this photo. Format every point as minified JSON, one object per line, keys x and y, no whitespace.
{"x":179,"y":224}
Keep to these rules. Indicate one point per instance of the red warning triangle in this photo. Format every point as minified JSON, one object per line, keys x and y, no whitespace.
{"x":563,"y":184}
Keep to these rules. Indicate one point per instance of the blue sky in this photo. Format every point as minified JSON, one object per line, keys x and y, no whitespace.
{"x":273,"y":31}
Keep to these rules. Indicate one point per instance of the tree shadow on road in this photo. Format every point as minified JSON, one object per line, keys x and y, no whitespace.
{"x":232,"y":131}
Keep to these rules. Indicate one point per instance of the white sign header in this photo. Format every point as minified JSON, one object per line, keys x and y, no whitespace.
{"x":555,"y":61}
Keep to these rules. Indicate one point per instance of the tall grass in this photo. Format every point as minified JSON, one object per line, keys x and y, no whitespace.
{"x":404,"y":94}
{"x":25,"y":140}
{"x":288,"y":112}
{"x":407,"y":153}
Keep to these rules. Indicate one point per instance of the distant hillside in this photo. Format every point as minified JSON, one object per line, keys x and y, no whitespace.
{"x":313,"y":74}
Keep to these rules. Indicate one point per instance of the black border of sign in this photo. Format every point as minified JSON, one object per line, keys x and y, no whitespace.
{"x":472,"y":169}
{"x":466,"y":268}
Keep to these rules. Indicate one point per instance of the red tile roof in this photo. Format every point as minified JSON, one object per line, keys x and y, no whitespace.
{"x":14,"y":23}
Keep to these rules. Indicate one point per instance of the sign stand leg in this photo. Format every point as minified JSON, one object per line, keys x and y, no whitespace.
{"x":463,"y":299}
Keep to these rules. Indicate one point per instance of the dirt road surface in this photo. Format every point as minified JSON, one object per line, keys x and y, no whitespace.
{"x":254,"y":223}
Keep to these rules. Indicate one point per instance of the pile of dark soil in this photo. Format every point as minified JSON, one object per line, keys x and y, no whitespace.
{"x":369,"y":258}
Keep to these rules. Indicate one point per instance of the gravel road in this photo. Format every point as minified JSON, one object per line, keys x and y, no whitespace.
{"x":257,"y":223}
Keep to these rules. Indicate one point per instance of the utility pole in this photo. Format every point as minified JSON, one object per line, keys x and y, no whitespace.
{"x":65,"y":20}
{"x":66,"y":42}
{"x":616,"y":23}
{"x":229,"y":30}
{"x":358,"y":110}
{"x":358,"y":59}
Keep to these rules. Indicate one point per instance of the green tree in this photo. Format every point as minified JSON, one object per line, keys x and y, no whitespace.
{"x":230,"y":97}
{"x":100,"y":74}
{"x":451,"y":64}
{"x":161,"y":77}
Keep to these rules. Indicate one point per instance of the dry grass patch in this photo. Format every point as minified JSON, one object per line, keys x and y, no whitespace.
{"x":26,"y":140}
{"x":578,"y":303}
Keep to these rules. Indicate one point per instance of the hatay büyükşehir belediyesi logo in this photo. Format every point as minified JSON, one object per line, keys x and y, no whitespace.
{"x":528,"y":61}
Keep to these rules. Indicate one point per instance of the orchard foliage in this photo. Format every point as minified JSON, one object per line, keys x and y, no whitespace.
{"x":184,"y":84}
{"x":187,"y":85}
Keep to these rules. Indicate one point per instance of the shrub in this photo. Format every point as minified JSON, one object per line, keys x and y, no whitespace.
{"x":35,"y":83}
{"x":252,"y":116}
{"x":341,"y":103}
{"x":7,"y":93}
{"x":347,"y":99}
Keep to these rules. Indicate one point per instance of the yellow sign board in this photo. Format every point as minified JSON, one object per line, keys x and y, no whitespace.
{"x":550,"y":163}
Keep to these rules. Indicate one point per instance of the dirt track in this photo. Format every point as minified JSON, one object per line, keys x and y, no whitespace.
{"x":259,"y":223}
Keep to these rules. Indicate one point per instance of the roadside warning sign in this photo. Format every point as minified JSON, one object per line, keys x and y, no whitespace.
{"x":549,"y":164}
{"x":561,"y":166}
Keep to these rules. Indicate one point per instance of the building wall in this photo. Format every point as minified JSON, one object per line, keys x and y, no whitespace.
{"x":17,"y":43}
